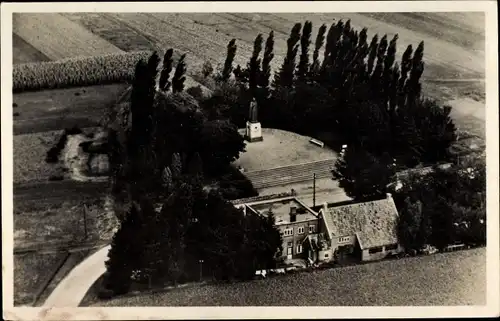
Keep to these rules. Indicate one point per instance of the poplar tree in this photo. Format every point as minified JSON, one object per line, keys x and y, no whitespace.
{"x":320,"y":40}
{"x":254,"y":65}
{"x":176,"y":166}
{"x":286,"y":75}
{"x":228,"y":63}
{"x":266,"y":63}
{"x":373,"y":53}
{"x":305,"y":41}
{"x":179,"y":75}
{"x":168,"y":61}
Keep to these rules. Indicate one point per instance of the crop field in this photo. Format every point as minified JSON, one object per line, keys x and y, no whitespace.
{"x":454,"y":42}
{"x":454,"y":48}
{"x":442,"y":279}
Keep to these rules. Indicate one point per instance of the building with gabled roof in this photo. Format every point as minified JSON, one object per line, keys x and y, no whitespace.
{"x":359,"y":230}
{"x":367,"y":230}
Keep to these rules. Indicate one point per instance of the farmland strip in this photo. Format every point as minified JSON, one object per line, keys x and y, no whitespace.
{"x":58,"y":37}
{"x":24,"y":52}
{"x":112,"y":30}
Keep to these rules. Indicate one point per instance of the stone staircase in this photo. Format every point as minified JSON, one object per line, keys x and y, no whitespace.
{"x":290,"y":174}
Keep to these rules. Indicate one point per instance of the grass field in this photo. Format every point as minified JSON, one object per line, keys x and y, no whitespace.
{"x":29,"y":157}
{"x":60,"y":223}
{"x":31,"y":272}
{"x":73,"y":260}
{"x":41,"y":111}
{"x":442,"y":279}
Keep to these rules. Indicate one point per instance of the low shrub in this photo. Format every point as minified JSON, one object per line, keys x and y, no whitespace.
{"x":78,"y":71}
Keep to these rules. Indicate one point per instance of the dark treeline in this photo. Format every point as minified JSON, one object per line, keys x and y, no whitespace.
{"x":166,"y":152}
{"x":355,"y":94}
{"x":446,"y":206}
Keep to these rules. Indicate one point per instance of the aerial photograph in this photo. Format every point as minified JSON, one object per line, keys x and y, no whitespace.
{"x":249,"y":159}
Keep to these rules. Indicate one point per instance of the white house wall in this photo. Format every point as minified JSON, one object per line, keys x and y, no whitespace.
{"x":366,"y":256}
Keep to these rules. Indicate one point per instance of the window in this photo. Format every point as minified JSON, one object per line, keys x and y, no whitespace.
{"x":344,"y":239}
{"x":299,"y":248}
{"x":375,"y":250}
{"x":289,"y":244}
{"x":326,"y":255}
{"x":288,"y":232}
{"x":391,"y":247}
{"x":312,"y":228}
{"x":300,"y":230}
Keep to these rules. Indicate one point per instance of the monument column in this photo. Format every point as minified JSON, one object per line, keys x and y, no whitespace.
{"x":253,"y":129}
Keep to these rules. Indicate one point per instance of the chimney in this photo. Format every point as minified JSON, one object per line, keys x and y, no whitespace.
{"x":324,"y":209}
{"x":293,"y":214}
{"x":388,"y":195}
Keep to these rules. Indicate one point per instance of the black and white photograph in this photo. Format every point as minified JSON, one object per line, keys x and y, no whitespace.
{"x":249,"y":157}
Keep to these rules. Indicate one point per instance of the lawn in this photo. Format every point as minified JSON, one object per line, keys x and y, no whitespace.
{"x":32,"y":271}
{"x":60,"y":224}
{"x":281,"y":148}
{"x":442,"y":279}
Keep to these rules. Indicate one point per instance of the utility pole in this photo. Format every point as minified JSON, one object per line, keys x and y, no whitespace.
{"x":314,"y":190}
{"x":201,"y":269}
{"x":85,"y":221}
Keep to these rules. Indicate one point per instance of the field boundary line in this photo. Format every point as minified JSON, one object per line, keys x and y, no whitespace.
{"x":46,"y":283}
{"x":63,"y":246}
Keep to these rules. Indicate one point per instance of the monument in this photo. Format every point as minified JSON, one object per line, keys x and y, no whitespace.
{"x":253,"y":130}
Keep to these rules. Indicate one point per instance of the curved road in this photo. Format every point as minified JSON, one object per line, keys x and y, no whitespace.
{"x":72,"y":289}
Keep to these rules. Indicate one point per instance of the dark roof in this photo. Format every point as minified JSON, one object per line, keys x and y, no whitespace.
{"x":374,"y":223}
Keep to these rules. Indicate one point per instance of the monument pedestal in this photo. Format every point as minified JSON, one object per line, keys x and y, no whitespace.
{"x":253,"y":132}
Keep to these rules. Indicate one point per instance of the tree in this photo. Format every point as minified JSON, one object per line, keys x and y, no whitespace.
{"x":207,"y":69}
{"x":285,"y":77}
{"x":266,"y":63}
{"x":195,"y":166}
{"x":220,"y":145}
{"x":362,"y":175}
{"x":320,"y":40}
{"x":228,"y":64}
{"x":330,"y":54}
{"x":175,"y":214}
{"x":414,"y":87}
{"x":179,"y":78}
{"x":119,"y":266}
{"x":305,"y":41}
{"x":373,"y":53}
{"x":254,"y":70}
{"x":168,"y":61}
{"x":167,"y":179}
{"x":176,"y":166}
{"x":410,"y":217}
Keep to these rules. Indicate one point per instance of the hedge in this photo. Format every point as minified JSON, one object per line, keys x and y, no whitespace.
{"x":78,"y":71}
